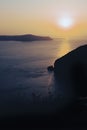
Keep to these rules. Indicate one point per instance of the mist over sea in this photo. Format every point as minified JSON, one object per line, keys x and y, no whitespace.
{"x":25,"y":83}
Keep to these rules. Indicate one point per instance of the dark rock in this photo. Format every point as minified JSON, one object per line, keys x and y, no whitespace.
{"x":50,"y":68}
{"x":71,"y":70}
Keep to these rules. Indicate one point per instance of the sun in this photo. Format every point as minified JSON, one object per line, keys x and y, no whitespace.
{"x":65,"y":22}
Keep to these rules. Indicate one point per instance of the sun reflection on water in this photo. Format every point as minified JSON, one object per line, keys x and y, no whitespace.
{"x":64,"y":48}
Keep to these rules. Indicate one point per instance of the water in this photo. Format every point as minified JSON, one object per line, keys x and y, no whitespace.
{"x":25,"y":83}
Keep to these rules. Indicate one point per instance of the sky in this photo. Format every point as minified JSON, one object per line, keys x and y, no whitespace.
{"x":56,"y":18}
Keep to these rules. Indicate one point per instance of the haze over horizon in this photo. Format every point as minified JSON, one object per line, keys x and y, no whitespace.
{"x":55,"y":18}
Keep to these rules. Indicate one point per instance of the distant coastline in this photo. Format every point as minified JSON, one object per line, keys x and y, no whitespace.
{"x":24,"y":38}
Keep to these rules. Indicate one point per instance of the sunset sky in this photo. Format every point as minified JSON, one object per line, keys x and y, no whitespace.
{"x":56,"y":18}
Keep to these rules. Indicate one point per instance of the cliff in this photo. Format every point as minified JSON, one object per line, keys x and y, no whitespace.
{"x":71,"y":70}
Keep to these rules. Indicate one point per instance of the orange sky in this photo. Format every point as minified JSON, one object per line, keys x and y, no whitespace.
{"x":41,"y":17}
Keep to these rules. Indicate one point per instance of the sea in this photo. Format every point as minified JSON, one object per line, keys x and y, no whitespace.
{"x":26,"y":86}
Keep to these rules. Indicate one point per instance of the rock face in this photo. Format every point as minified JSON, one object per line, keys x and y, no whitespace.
{"x":71,"y":70}
{"x":50,"y":68}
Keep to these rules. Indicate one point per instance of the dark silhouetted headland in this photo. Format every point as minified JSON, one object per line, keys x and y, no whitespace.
{"x":71,"y":70}
{"x":28,"y":37}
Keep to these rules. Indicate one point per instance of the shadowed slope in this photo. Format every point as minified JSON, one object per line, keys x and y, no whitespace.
{"x":71,"y":70}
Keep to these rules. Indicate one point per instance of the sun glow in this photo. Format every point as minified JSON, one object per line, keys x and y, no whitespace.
{"x":65,"y":22}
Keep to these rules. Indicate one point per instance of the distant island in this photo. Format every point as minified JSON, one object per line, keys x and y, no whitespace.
{"x":27,"y":37}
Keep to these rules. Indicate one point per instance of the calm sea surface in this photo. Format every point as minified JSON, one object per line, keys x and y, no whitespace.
{"x":25,"y":83}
